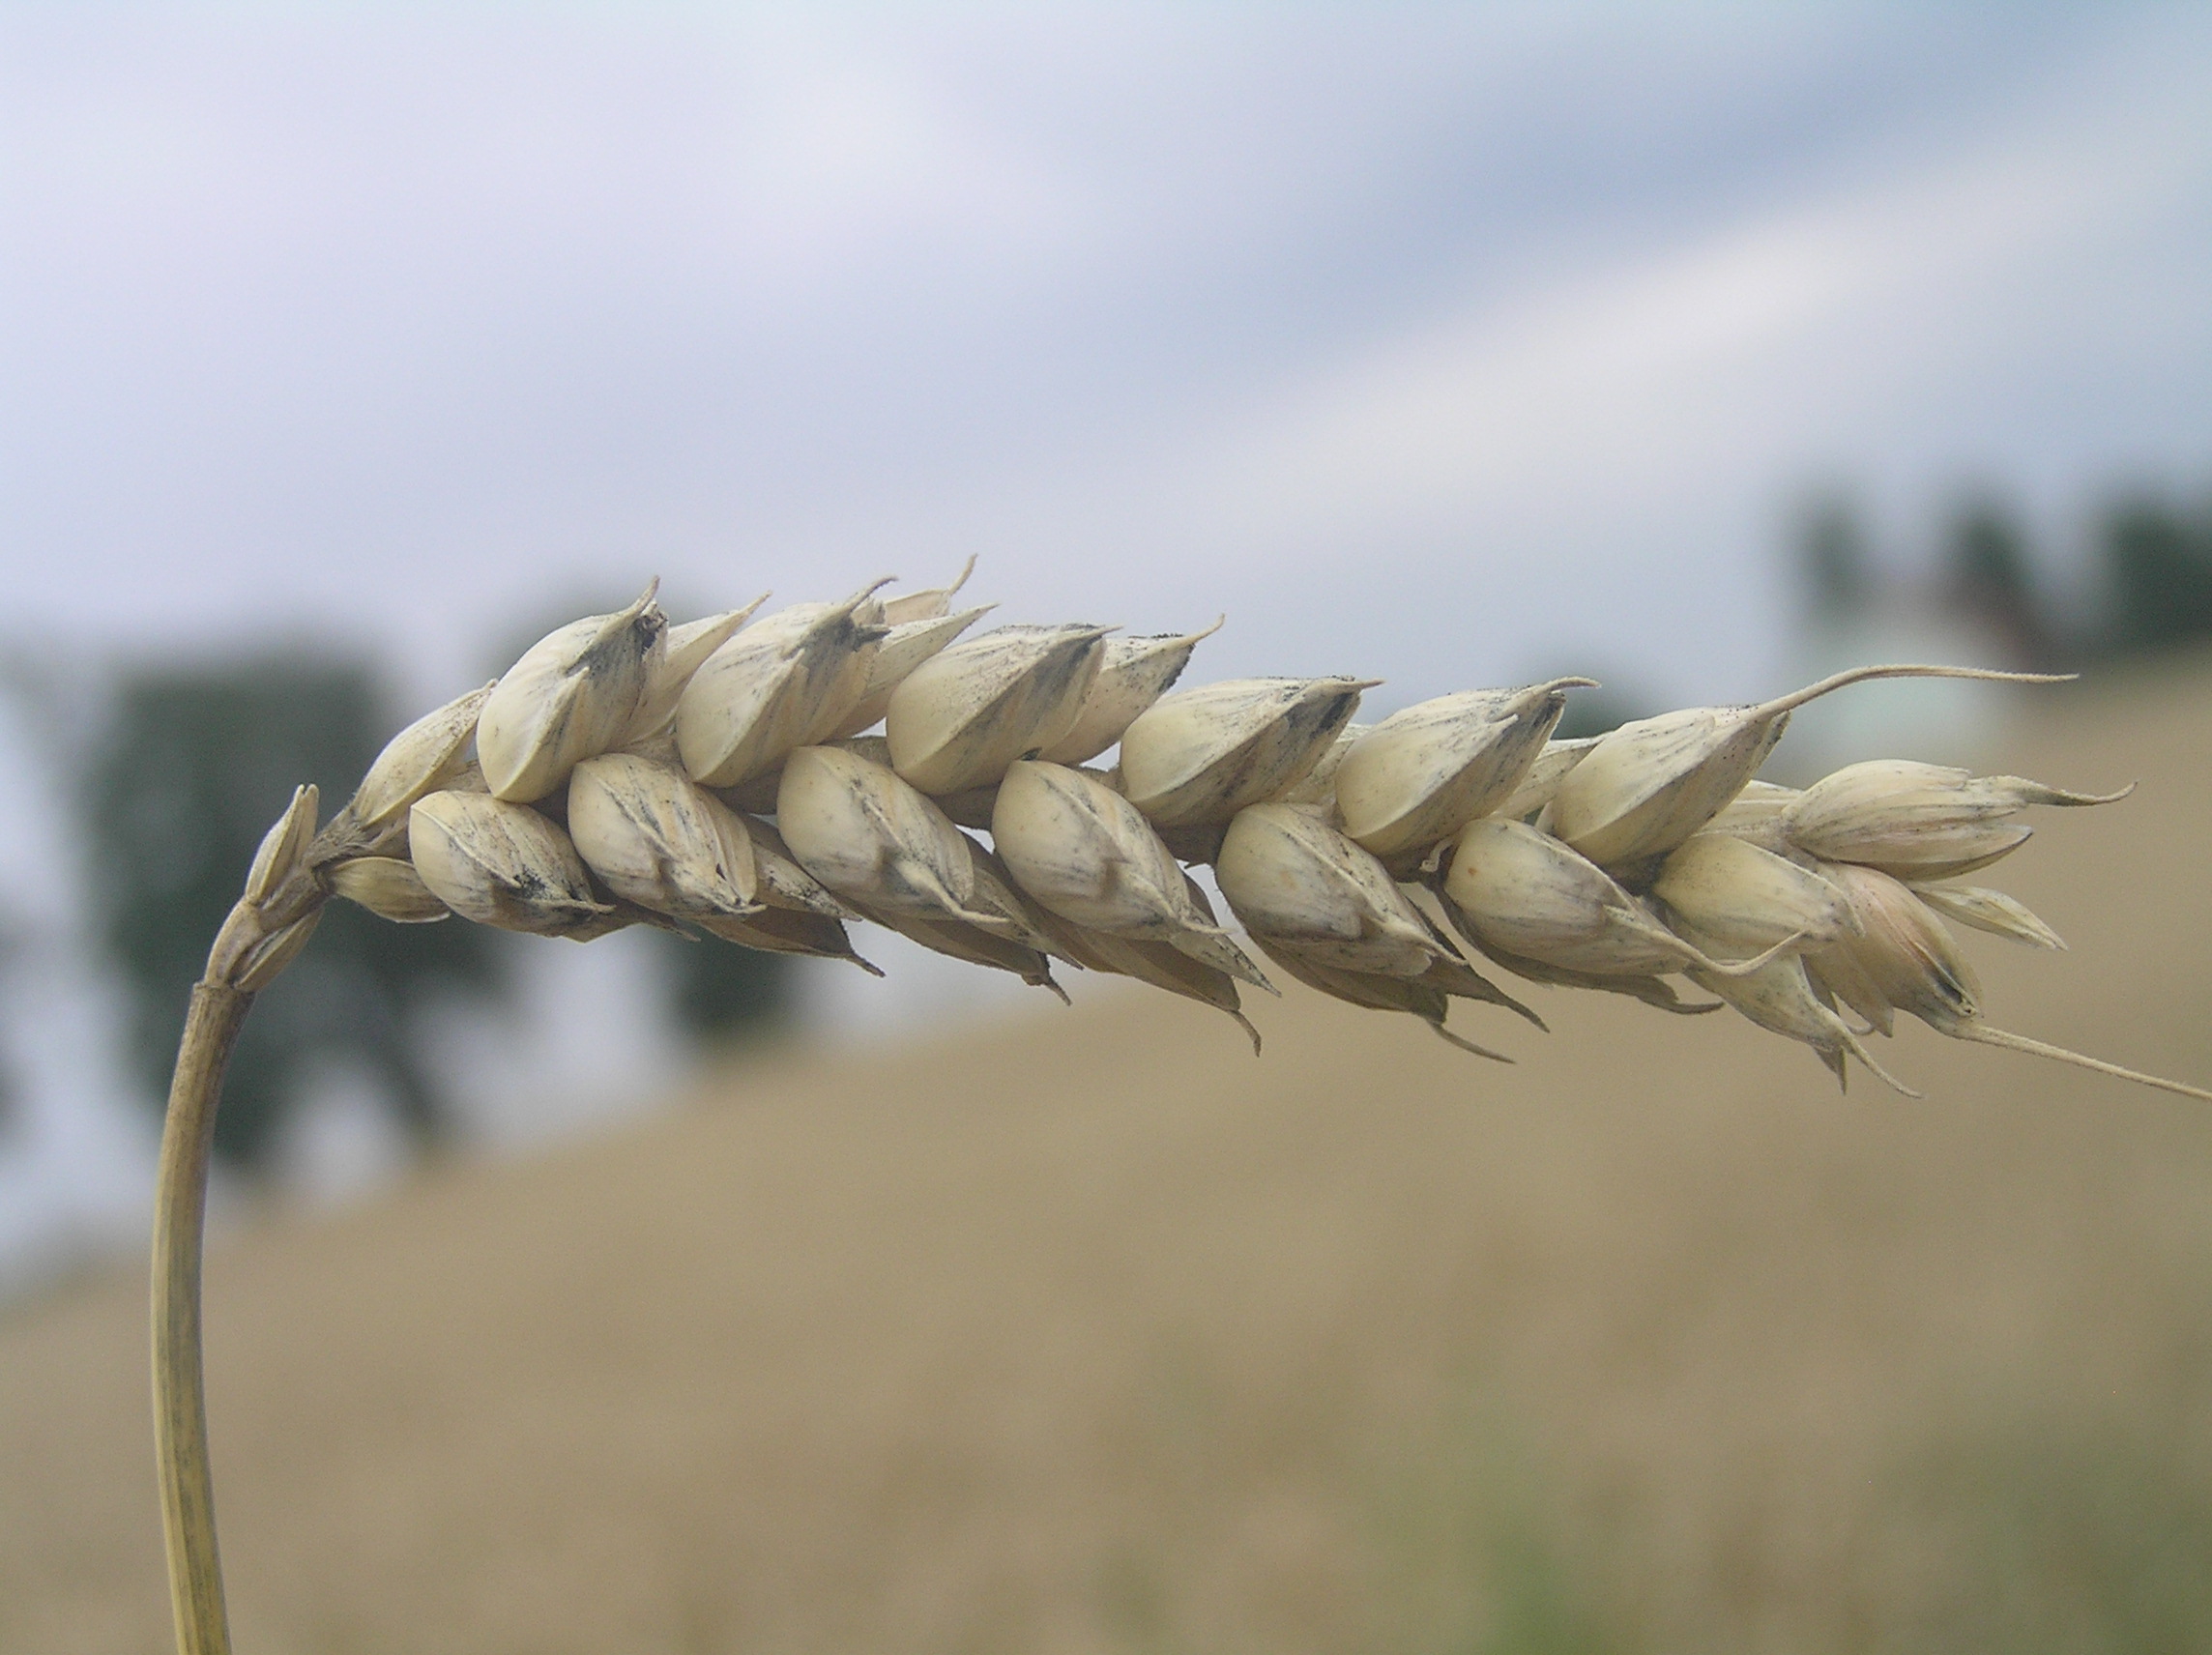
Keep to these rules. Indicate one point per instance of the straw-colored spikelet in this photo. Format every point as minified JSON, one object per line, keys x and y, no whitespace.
{"x":779,"y":882}
{"x":1643,"y":789}
{"x":1330,"y":913}
{"x":1520,"y":894}
{"x":1317,"y":788}
{"x":1902,"y":958}
{"x":423,"y":758}
{"x":1901,"y":954}
{"x":1780,"y":998}
{"x":265,"y":932}
{"x":1919,"y":821}
{"x":966,"y":714}
{"x":1541,"y":784}
{"x":389,"y":887}
{"x":1161,"y":965}
{"x":285,"y":849}
{"x":785,"y":682}
{"x":873,"y":840}
{"x":919,"y":624}
{"x":1008,"y":932}
{"x":655,"y":838}
{"x":683,"y":650}
{"x":1133,"y":674}
{"x":905,"y":647}
{"x":1081,"y":850}
{"x":1422,"y":775}
{"x":571,"y":695}
{"x":1293,"y":879}
{"x":1195,"y":759}
{"x":998,"y":895}
{"x":501,"y":864}
{"x":1756,"y":814}
{"x":928,"y":604}
{"x":1728,"y":889}
{"x":1990,"y":910}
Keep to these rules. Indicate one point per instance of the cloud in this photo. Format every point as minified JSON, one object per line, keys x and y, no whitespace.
{"x":329,"y":310}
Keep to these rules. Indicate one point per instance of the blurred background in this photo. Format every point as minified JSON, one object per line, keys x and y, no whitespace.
{"x":343,"y":352}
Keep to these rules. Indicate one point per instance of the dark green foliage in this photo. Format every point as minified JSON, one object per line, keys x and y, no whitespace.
{"x":1539,"y":1606}
{"x":722,"y":991}
{"x":1991,"y":579}
{"x":2071,"y":1536}
{"x":13,"y":959}
{"x":2155,"y":557}
{"x":194,"y":766}
{"x":1833,"y":559}
{"x":1988,"y":556}
{"x":1475,"y":1556}
{"x":2158,"y":559}
{"x":1595,"y":712}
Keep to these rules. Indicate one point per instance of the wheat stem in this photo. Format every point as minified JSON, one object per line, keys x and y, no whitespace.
{"x":180,"y":1402}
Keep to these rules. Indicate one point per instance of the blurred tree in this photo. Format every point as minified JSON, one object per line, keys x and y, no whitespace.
{"x":1595,"y":712}
{"x":1989,"y":579}
{"x":195,"y":766}
{"x":723,"y":992}
{"x":11,"y":961}
{"x":1837,"y":569}
{"x":2158,"y":559}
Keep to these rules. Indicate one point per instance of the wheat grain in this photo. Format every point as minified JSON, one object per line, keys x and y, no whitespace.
{"x":1906,"y":817}
{"x":1195,"y":759}
{"x":389,"y":888}
{"x":1643,"y":789}
{"x":1740,"y":895}
{"x":654,"y":837}
{"x":1088,"y":855}
{"x":1990,"y":910}
{"x":961,"y":717}
{"x":499,"y":863}
{"x":1419,"y":776}
{"x":777,"y":684}
{"x":571,"y":695}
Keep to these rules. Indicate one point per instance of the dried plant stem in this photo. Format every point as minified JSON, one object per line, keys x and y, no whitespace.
{"x":179,"y":1405}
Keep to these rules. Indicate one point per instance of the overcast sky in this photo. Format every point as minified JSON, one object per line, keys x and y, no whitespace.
{"x":1445,"y":344}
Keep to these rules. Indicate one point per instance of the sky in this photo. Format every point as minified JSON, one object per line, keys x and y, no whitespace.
{"x":1447,"y":345}
{"x":1438,"y":344}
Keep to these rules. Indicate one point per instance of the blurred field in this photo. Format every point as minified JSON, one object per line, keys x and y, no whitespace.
{"x":1091,"y":1333}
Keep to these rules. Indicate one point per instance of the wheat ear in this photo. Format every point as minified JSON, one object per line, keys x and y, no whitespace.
{"x":623,"y":772}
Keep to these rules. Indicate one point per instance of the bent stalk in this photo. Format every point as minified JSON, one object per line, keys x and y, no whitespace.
{"x":179,"y":1405}
{"x":284,"y":896}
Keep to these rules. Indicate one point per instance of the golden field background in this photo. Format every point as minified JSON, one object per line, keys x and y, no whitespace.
{"x":1089,"y":1332}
